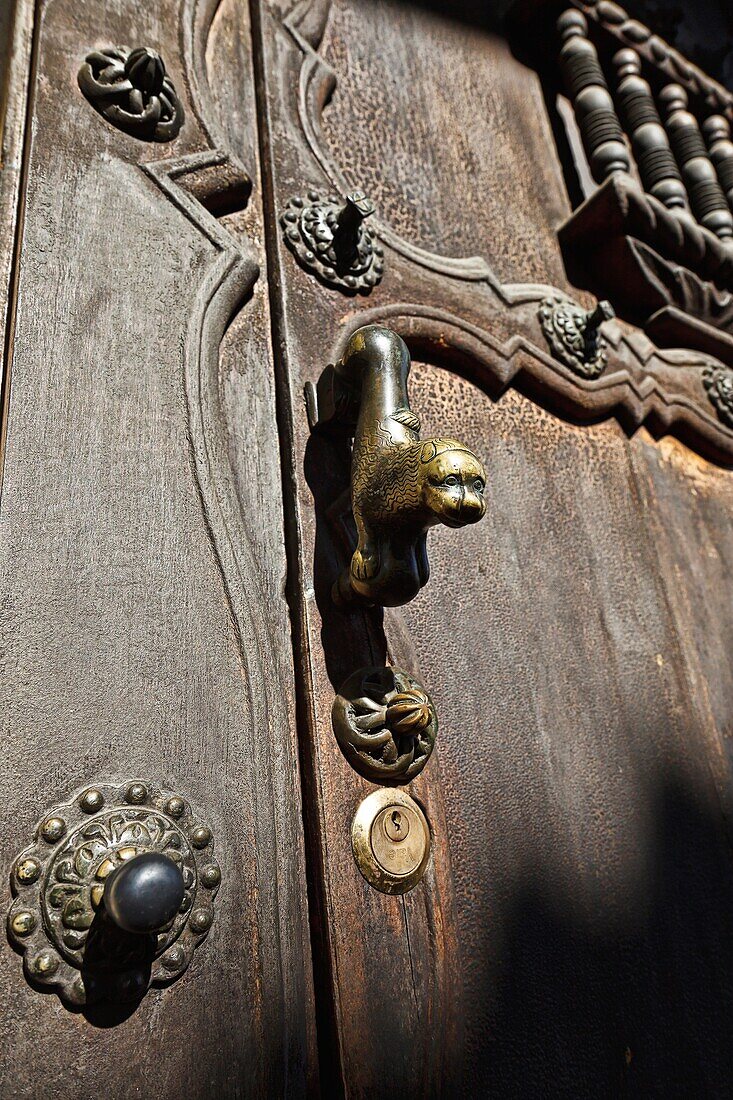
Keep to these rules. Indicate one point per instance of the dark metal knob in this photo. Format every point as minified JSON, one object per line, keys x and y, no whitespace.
{"x":347,"y":232}
{"x":144,"y":894}
{"x":145,"y":70}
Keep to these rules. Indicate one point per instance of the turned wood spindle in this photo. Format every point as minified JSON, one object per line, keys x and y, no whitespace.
{"x":706,"y":197}
{"x":654,"y":157}
{"x":716,"y":129}
{"x":598,"y":122}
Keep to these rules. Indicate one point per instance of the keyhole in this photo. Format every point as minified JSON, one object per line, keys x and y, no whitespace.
{"x":396,"y":825}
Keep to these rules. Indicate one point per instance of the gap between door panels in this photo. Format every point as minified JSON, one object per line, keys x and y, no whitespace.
{"x":330,"y":1054}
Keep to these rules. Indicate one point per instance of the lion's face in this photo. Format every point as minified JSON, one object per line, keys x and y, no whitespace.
{"x":453,"y":483}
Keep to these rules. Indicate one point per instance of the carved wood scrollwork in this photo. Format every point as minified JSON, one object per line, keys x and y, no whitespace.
{"x":634,"y":379}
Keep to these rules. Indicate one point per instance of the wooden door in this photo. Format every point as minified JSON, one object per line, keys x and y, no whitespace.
{"x":572,"y":936}
{"x":172,"y":529}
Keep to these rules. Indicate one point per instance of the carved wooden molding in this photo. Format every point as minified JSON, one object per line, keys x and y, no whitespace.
{"x":665,"y":391}
{"x":633,"y":211}
{"x":660,"y":249}
{"x":641,"y":383}
{"x":192,"y":183}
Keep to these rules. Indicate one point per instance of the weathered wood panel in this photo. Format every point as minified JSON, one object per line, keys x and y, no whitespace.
{"x":433,"y":121}
{"x":144,"y":627}
{"x":590,"y":862}
{"x":572,"y":935}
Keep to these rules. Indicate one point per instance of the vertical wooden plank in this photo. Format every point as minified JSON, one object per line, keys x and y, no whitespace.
{"x":689,"y":501}
{"x":16,"y":30}
{"x":144,"y":628}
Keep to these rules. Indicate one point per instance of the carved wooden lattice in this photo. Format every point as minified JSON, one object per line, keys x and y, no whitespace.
{"x":656,"y":233}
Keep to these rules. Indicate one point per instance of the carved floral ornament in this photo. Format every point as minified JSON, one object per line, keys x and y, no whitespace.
{"x":574,"y":334}
{"x":575,"y":339}
{"x":330,"y":239}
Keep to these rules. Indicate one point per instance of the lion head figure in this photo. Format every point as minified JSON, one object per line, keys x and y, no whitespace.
{"x":452,"y":482}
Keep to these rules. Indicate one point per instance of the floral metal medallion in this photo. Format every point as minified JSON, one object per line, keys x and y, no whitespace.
{"x":574,"y":334}
{"x":58,"y":919}
{"x":718,"y":381}
{"x":329,"y":238}
{"x":385,"y":724}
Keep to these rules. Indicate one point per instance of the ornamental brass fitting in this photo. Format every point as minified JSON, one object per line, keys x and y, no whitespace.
{"x":401,"y":486}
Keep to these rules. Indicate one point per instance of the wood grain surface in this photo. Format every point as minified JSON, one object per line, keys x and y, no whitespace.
{"x":572,"y":934}
{"x":170,"y":531}
{"x":144,"y":627}
{"x":16,"y":31}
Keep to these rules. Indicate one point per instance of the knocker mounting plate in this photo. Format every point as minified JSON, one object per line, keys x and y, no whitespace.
{"x":130,"y":88}
{"x":329,"y":237}
{"x":58,"y":919}
{"x":385,"y":724}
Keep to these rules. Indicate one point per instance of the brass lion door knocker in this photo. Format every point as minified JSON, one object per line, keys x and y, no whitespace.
{"x":400,"y":485}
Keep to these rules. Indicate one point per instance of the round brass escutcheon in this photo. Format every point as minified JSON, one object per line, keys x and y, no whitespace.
{"x":390,"y":838}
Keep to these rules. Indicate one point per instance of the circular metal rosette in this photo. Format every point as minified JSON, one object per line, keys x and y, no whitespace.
{"x":58,"y":918}
{"x":718,"y":381}
{"x":385,"y":724}
{"x":330,"y":238}
{"x":574,"y":334}
{"x":131,"y":89}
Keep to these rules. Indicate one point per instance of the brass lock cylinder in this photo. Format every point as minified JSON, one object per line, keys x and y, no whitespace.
{"x":390,"y":838}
